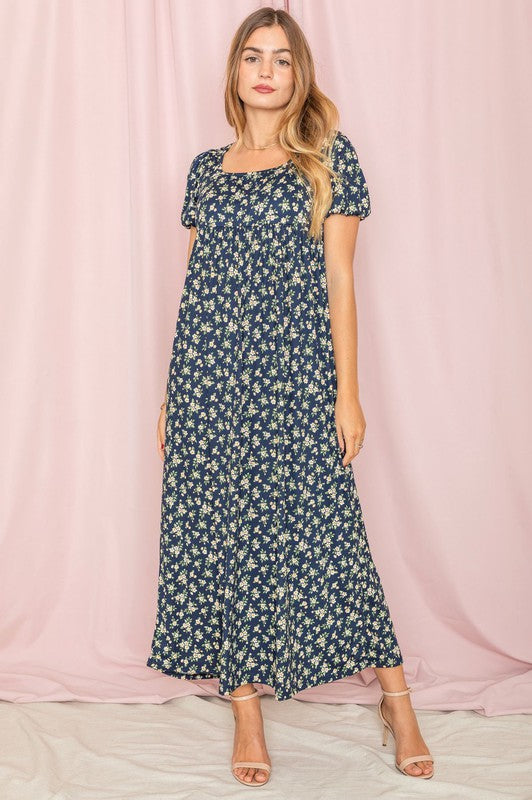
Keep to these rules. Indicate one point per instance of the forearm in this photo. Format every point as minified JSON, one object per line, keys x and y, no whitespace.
{"x":343,"y":316}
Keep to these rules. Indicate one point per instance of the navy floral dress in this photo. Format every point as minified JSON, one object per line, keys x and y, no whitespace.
{"x":266,"y":574}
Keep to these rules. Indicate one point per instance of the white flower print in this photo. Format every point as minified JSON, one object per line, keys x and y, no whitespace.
{"x":266,"y":574}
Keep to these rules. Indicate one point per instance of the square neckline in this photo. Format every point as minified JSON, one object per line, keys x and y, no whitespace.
{"x":225,"y":148}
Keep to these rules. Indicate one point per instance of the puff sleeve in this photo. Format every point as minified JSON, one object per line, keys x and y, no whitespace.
{"x":188,"y":212}
{"x":350,"y":191}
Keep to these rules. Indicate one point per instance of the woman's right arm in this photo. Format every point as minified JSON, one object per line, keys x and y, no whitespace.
{"x":193,"y":231}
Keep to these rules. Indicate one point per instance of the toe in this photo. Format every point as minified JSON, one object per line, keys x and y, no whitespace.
{"x":260,"y":775}
{"x":414,"y":769}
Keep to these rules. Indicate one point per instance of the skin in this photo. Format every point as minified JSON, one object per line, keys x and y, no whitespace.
{"x":340,"y":234}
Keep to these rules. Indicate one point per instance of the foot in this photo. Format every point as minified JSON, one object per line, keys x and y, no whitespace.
{"x":399,"y":713}
{"x":249,"y":743}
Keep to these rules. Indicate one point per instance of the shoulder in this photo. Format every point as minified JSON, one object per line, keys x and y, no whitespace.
{"x":203,"y":160}
{"x":342,"y":148}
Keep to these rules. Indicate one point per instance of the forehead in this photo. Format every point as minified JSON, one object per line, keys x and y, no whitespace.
{"x":271,"y":39}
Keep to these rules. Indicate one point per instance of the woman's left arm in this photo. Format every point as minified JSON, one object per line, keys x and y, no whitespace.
{"x":339,"y":240}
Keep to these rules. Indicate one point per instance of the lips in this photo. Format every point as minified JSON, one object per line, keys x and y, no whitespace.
{"x":263,"y":88}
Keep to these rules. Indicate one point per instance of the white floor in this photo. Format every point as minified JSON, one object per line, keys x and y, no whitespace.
{"x":181,"y":750}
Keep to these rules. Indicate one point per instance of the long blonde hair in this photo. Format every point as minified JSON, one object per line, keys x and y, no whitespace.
{"x":309,"y":122}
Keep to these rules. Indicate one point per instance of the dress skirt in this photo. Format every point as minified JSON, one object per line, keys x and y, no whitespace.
{"x":266,"y":574}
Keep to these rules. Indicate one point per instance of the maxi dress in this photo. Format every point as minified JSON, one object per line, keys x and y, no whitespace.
{"x":265,"y":574}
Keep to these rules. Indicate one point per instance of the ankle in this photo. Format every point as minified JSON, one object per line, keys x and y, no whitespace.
{"x":397,"y":691}
{"x":246,"y":688}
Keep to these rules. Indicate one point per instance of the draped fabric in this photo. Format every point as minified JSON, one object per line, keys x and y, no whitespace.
{"x":103,"y":106}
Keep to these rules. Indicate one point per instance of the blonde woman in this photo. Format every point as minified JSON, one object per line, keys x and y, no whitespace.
{"x":266,"y":575}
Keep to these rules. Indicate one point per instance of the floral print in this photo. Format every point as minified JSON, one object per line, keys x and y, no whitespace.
{"x":266,"y":575}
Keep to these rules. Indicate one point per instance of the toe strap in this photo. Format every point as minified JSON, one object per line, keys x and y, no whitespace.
{"x":411,"y":759}
{"x":259,"y":764}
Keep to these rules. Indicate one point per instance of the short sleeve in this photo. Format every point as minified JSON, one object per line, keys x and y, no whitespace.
{"x":350,"y":191}
{"x":188,"y":213}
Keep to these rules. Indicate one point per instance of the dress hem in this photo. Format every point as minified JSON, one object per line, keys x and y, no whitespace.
{"x":328,"y":677}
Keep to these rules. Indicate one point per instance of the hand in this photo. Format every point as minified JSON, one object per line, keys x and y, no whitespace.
{"x":350,"y":425}
{"x":161,"y":424}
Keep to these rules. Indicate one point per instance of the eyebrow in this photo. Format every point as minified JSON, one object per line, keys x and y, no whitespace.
{"x":258,"y":50}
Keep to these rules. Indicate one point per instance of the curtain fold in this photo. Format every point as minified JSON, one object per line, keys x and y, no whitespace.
{"x":102,"y":108}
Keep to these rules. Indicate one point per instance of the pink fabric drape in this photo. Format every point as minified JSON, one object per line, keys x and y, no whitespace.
{"x":103,"y":106}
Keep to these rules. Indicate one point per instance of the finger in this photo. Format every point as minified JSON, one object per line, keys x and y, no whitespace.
{"x":357,"y":449}
{"x":351,"y":449}
{"x":160,"y":442}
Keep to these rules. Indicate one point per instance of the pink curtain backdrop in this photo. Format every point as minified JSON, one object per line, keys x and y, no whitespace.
{"x":103,"y":105}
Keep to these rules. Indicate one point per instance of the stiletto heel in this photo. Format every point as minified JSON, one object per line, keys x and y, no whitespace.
{"x":387,"y":727}
{"x":256,"y":764}
{"x":384,"y":736}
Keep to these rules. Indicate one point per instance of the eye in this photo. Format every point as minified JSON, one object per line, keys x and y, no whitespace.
{"x":282,"y":61}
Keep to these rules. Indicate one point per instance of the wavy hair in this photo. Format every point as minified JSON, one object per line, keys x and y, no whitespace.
{"x":309,"y":122}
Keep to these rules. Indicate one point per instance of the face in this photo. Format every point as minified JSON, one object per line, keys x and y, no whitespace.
{"x":266,"y":61}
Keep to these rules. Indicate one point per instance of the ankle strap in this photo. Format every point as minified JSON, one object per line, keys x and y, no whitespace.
{"x":243,"y":696}
{"x":393,"y":694}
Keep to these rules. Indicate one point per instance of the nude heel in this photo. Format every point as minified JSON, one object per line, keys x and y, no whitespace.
{"x":387,"y":727}
{"x":256,"y":764}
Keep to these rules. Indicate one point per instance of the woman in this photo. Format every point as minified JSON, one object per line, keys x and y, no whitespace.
{"x":266,"y":575}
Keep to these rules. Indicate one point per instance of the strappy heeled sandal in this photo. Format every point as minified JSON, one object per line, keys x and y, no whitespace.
{"x":387,"y":727}
{"x":256,"y":764}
